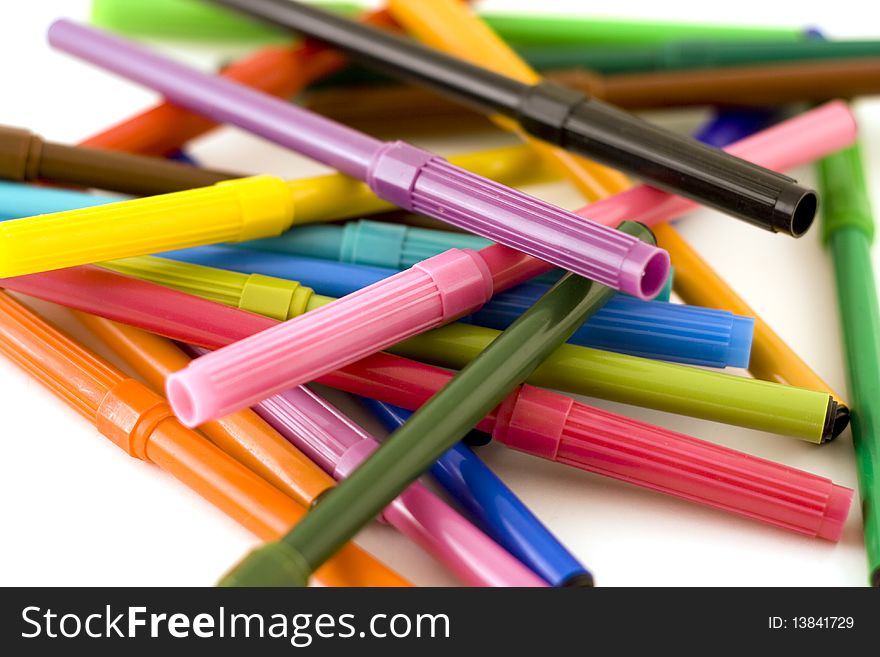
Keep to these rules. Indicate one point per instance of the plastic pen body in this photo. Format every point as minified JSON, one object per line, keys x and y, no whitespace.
{"x":567,"y":118}
{"x":553,"y":427}
{"x":243,"y":435}
{"x":300,"y":350}
{"x":381,"y":376}
{"x":436,"y":427}
{"x":339,"y":446}
{"x":848,"y":230}
{"x":25,"y":156}
{"x":20,"y":200}
{"x":671,"y":332}
{"x":196,"y":20}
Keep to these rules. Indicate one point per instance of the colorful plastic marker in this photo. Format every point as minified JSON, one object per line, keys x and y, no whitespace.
{"x":809,"y":415}
{"x":452,"y":27}
{"x":432,"y":430}
{"x":315,"y":199}
{"x":847,"y":231}
{"x":21,"y":200}
{"x":140,"y":422}
{"x":550,"y":426}
{"x":243,"y":435}
{"x":339,"y":446}
{"x":402,"y":174}
{"x":539,"y":422}
{"x":281,"y":72}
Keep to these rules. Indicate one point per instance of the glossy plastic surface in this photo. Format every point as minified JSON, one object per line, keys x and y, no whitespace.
{"x":495,"y":507}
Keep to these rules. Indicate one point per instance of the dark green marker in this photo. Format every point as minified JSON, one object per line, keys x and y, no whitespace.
{"x":433,"y":429}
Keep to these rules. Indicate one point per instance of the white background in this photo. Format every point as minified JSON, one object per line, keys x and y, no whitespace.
{"x":78,"y":511}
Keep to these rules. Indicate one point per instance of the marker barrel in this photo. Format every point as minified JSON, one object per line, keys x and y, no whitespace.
{"x":228,"y":211}
{"x":25,"y":156}
{"x":625,"y":449}
{"x":243,"y":435}
{"x":566,"y":118}
{"x":671,"y":332}
{"x":848,"y":230}
{"x":339,"y":446}
{"x":495,"y":507}
{"x":402,"y":174}
{"x":190,"y":19}
{"x":432,"y":430}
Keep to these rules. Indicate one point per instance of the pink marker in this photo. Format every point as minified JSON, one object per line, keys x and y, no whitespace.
{"x":558,"y":428}
{"x":429,"y":294}
{"x":339,"y":446}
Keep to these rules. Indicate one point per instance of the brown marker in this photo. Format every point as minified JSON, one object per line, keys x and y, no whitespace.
{"x":755,"y":85}
{"x":26,"y":157}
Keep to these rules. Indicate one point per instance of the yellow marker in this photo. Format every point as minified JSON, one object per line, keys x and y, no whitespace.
{"x":451,"y":26}
{"x":230,"y":211}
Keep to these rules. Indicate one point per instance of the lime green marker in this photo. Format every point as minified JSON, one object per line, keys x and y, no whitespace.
{"x":848,"y":230}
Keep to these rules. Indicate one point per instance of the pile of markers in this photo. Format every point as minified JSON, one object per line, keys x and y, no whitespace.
{"x":475,"y":313}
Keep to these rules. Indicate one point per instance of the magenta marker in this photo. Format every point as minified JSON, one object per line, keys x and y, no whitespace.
{"x":409,"y":177}
{"x":339,"y":446}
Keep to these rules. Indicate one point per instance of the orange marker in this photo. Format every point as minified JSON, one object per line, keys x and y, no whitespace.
{"x":243,"y":435}
{"x":140,"y":422}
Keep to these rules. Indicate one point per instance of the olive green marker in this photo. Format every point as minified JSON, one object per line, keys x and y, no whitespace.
{"x":848,"y":230}
{"x":444,"y":420}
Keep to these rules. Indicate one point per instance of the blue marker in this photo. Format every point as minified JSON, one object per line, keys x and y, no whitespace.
{"x":493,"y":507}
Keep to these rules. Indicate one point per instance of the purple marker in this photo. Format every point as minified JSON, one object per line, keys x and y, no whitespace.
{"x":409,"y":177}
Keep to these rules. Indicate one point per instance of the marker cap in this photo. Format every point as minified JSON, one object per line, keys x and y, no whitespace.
{"x":402,"y":174}
{"x":273,"y":297}
{"x":651,"y":329}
